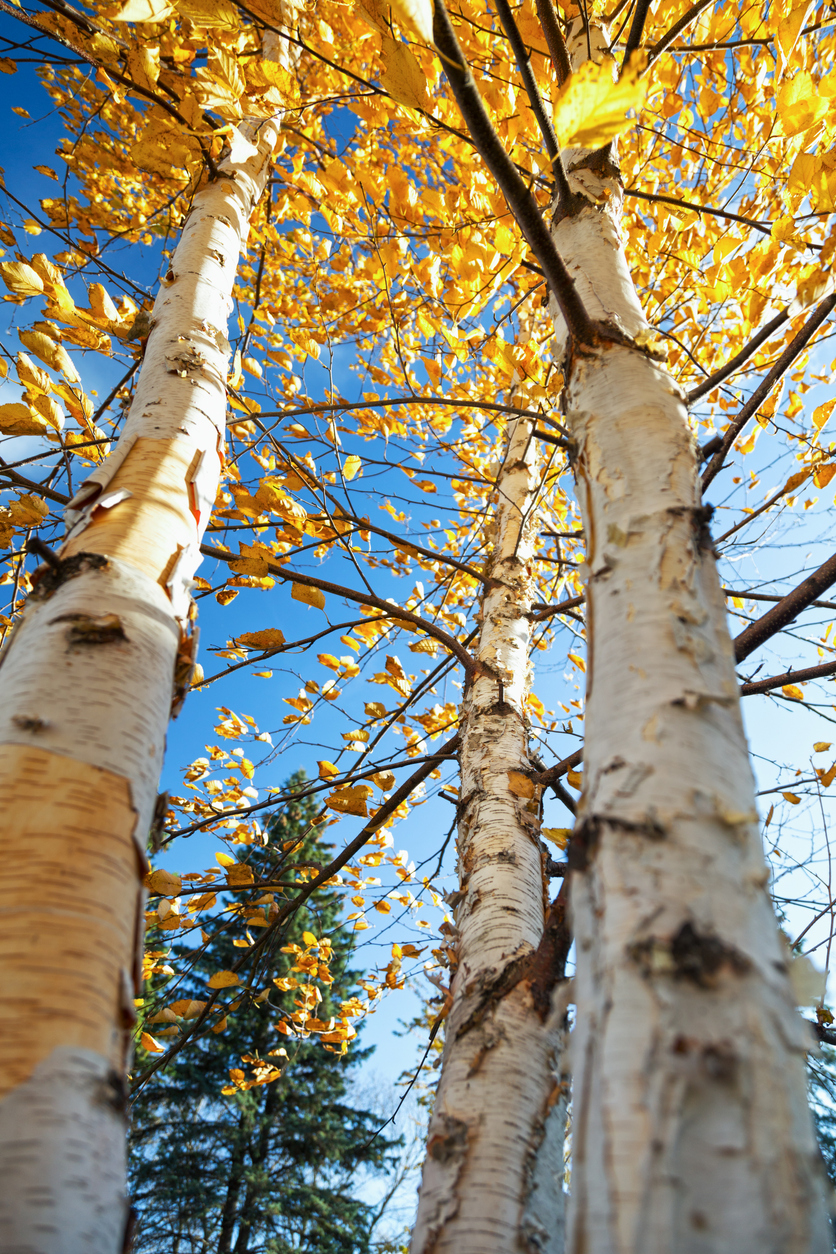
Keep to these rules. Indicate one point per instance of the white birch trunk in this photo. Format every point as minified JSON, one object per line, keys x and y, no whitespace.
{"x":492,"y":1178}
{"x":691,"y":1132}
{"x":87,"y":685}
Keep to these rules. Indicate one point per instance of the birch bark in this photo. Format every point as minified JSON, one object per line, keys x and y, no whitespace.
{"x":691,"y":1131}
{"x":88,"y":682}
{"x":493,"y":1174}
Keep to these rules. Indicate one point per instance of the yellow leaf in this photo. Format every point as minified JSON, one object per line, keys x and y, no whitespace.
{"x":21,"y":279}
{"x":16,"y":419}
{"x":793,"y":692}
{"x":789,"y":28}
{"x":575,"y":778}
{"x":147,"y":1042}
{"x":821,"y":746}
{"x":308,"y":596}
{"x":823,"y":474}
{"x":30,"y":375}
{"x":328,"y":659}
{"x":55,"y":355}
{"x":144,"y":11}
{"x":426,"y":485}
{"x":821,"y":414}
{"x":798,"y":104}
{"x":417,"y":15}
{"x":384,"y":780}
{"x":351,"y":800}
{"x":7,"y":66}
{"x":592,"y":109}
{"x":579,"y":662}
{"x":309,"y":939}
{"x":558,"y":835}
{"x":144,"y":66}
{"x":166,"y":883}
{"x":239,"y":873}
{"x":383,"y":906}
{"x":796,"y":480}
{"x":269,"y":638}
{"x":223,"y":979}
{"x":402,"y":76}
{"x":520,"y":785}
{"x":351,"y":465}
{"x":327,"y":770}
{"x":827,"y":777}
{"x":791,"y":798}
{"x":208,"y":12}
{"x":768,"y":818}
{"x":187,"y":1009}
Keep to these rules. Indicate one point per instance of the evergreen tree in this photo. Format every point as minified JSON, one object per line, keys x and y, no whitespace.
{"x":246,"y":1167}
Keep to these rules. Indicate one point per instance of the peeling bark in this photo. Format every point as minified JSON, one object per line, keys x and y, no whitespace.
{"x":88,"y":682}
{"x":493,"y":1174}
{"x":691,"y":1131}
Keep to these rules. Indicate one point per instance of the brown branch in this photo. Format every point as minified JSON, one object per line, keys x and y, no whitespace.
{"x":734,"y":363}
{"x":763,"y":227}
{"x":547,"y":611}
{"x":548,"y":777}
{"x":287,"y":911}
{"x":555,"y":42}
{"x":782,"y":365}
{"x":517,"y":196}
{"x":523,"y":60}
{"x":634,"y":37}
{"x":788,"y":608}
{"x":362,"y":598}
{"x":772,"y":596}
{"x":320,"y":407}
{"x":789,"y":677}
{"x":32,"y":486}
{"x":678,"y":27}
{"x":548,"y":962}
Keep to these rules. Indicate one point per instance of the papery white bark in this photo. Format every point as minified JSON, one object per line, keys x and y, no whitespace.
{"x":87,"y":684}
{"x":691,"y":1131}
{"x":494,"y":1169}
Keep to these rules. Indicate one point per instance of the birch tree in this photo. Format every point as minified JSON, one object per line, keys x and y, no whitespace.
{"x":89,"y":679}
{"x":414,"y":237}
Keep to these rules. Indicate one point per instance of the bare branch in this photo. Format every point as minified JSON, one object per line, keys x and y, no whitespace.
{"x":788,"y":608}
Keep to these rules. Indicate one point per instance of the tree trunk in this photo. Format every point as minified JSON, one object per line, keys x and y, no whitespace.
{"x":492,"y":1178}
{"x":237,"y":1164}
{"x":691,"y":1131}
{"x":86,"y":690}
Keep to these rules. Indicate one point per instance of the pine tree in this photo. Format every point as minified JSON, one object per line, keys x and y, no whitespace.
{"x":249,"y":1166}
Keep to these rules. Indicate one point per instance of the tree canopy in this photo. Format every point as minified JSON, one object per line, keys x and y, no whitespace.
{"x":392,"y":325}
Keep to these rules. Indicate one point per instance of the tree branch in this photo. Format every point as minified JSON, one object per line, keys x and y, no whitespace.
{"x":788,"y":608}
{"x":678,"y":27}
{"x":771,"y":596}
{"x":520,"y":201}
{"x":794,"y":349}
{"x":763,"y":227}
{"x":634,"y":38}
{"x":734,"y":363}
{"x":362,"y":598}
{"x":555,"y":42}
{"x":790,"y":677}
{"x":523,"y":60}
